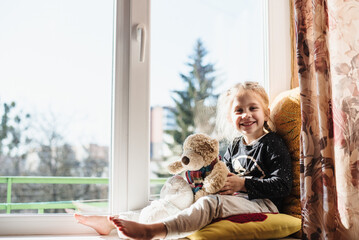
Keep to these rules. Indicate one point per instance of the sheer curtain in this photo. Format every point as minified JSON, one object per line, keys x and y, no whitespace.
{"x":327,"y":47}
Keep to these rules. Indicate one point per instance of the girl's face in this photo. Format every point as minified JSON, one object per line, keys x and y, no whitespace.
{"x":248,"y":116}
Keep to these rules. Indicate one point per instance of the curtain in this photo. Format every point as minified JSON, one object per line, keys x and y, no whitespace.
{"x":294,"y":82}
{"x":327,"y":50}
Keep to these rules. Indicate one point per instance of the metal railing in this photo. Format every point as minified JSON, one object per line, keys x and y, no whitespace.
{"x":41,"y":206}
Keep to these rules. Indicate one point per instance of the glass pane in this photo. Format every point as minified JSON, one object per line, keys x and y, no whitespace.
{"x":55,"y":95}
{"x":223,"y":41}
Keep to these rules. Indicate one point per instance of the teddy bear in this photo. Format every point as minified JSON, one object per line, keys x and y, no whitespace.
{"x":205,"y":174}
{"x":200,"y":159}
{"x":176,"y":195}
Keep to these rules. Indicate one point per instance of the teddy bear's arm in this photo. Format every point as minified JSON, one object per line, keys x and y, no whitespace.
{"x":175,"y":167}
{"x":216,"y":179}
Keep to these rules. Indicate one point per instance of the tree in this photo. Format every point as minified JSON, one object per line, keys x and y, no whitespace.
{"x":13,"y":139}
{"x":195,"y":105}
{"x":47,"y":154}
{"x":56,"y":157}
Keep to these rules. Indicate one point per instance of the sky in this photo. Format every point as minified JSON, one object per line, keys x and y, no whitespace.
{"x":56,"y":56}
{"x":56,"y":63}
{"x":231,"y":31}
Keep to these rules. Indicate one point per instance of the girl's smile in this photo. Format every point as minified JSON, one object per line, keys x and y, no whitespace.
{"x":247,"y":124}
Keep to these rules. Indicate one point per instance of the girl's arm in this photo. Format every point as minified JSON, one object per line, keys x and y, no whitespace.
{"x":233,"y":184}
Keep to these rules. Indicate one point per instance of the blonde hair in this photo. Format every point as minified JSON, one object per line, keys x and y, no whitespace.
{"x":227,"y":131}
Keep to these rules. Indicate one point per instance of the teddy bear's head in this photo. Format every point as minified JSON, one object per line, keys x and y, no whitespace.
{"x":199,"y":150}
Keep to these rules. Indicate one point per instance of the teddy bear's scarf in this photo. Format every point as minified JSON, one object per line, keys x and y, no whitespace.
{"x":195,"y":178}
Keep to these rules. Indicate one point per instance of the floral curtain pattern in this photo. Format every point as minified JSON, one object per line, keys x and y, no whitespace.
{"x":327,"y":37}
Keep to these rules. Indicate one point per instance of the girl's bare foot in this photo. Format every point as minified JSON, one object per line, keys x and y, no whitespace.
{"x":136,"y":230}
{"x":101,"y":224}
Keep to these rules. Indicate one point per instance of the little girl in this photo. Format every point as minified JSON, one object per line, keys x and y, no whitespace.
{"x":259,"y":178}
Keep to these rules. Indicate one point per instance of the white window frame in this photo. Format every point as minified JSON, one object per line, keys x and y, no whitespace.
{"x":278,"y":61}
{"x":129,"y":178}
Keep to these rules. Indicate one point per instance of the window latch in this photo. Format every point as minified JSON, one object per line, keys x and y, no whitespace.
{"x":141,"y":37}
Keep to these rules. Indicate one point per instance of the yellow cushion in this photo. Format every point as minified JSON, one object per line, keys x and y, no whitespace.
{"x":286,"y":117}
{"x":275,"y":226}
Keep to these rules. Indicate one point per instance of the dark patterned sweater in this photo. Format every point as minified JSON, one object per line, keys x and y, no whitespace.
{"x":266,"y":165}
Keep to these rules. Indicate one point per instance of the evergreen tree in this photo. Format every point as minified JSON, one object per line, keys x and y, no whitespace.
{"x":194,"y":109}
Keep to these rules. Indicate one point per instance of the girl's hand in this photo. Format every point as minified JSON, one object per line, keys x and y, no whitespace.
{"x":233,"y":184}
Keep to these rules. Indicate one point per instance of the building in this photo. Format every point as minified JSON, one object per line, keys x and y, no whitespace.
{"x":162,"y":119}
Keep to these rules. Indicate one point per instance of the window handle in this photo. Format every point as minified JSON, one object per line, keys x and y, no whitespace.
{"x":141,"y":37}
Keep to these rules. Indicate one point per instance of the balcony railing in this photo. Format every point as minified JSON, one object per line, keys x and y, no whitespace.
{"x":41,"y":206}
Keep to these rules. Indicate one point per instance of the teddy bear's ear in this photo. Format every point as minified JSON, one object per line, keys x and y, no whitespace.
{"x":212,"y":145}
{"x":175,"y":167}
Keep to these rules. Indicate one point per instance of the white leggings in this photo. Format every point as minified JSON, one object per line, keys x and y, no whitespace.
{"x":211,"y":207}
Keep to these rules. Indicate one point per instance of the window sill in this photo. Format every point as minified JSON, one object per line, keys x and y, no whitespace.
{"x":112,"y":236}
{"x":95,"y":236}
{"x":42,"y":225}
